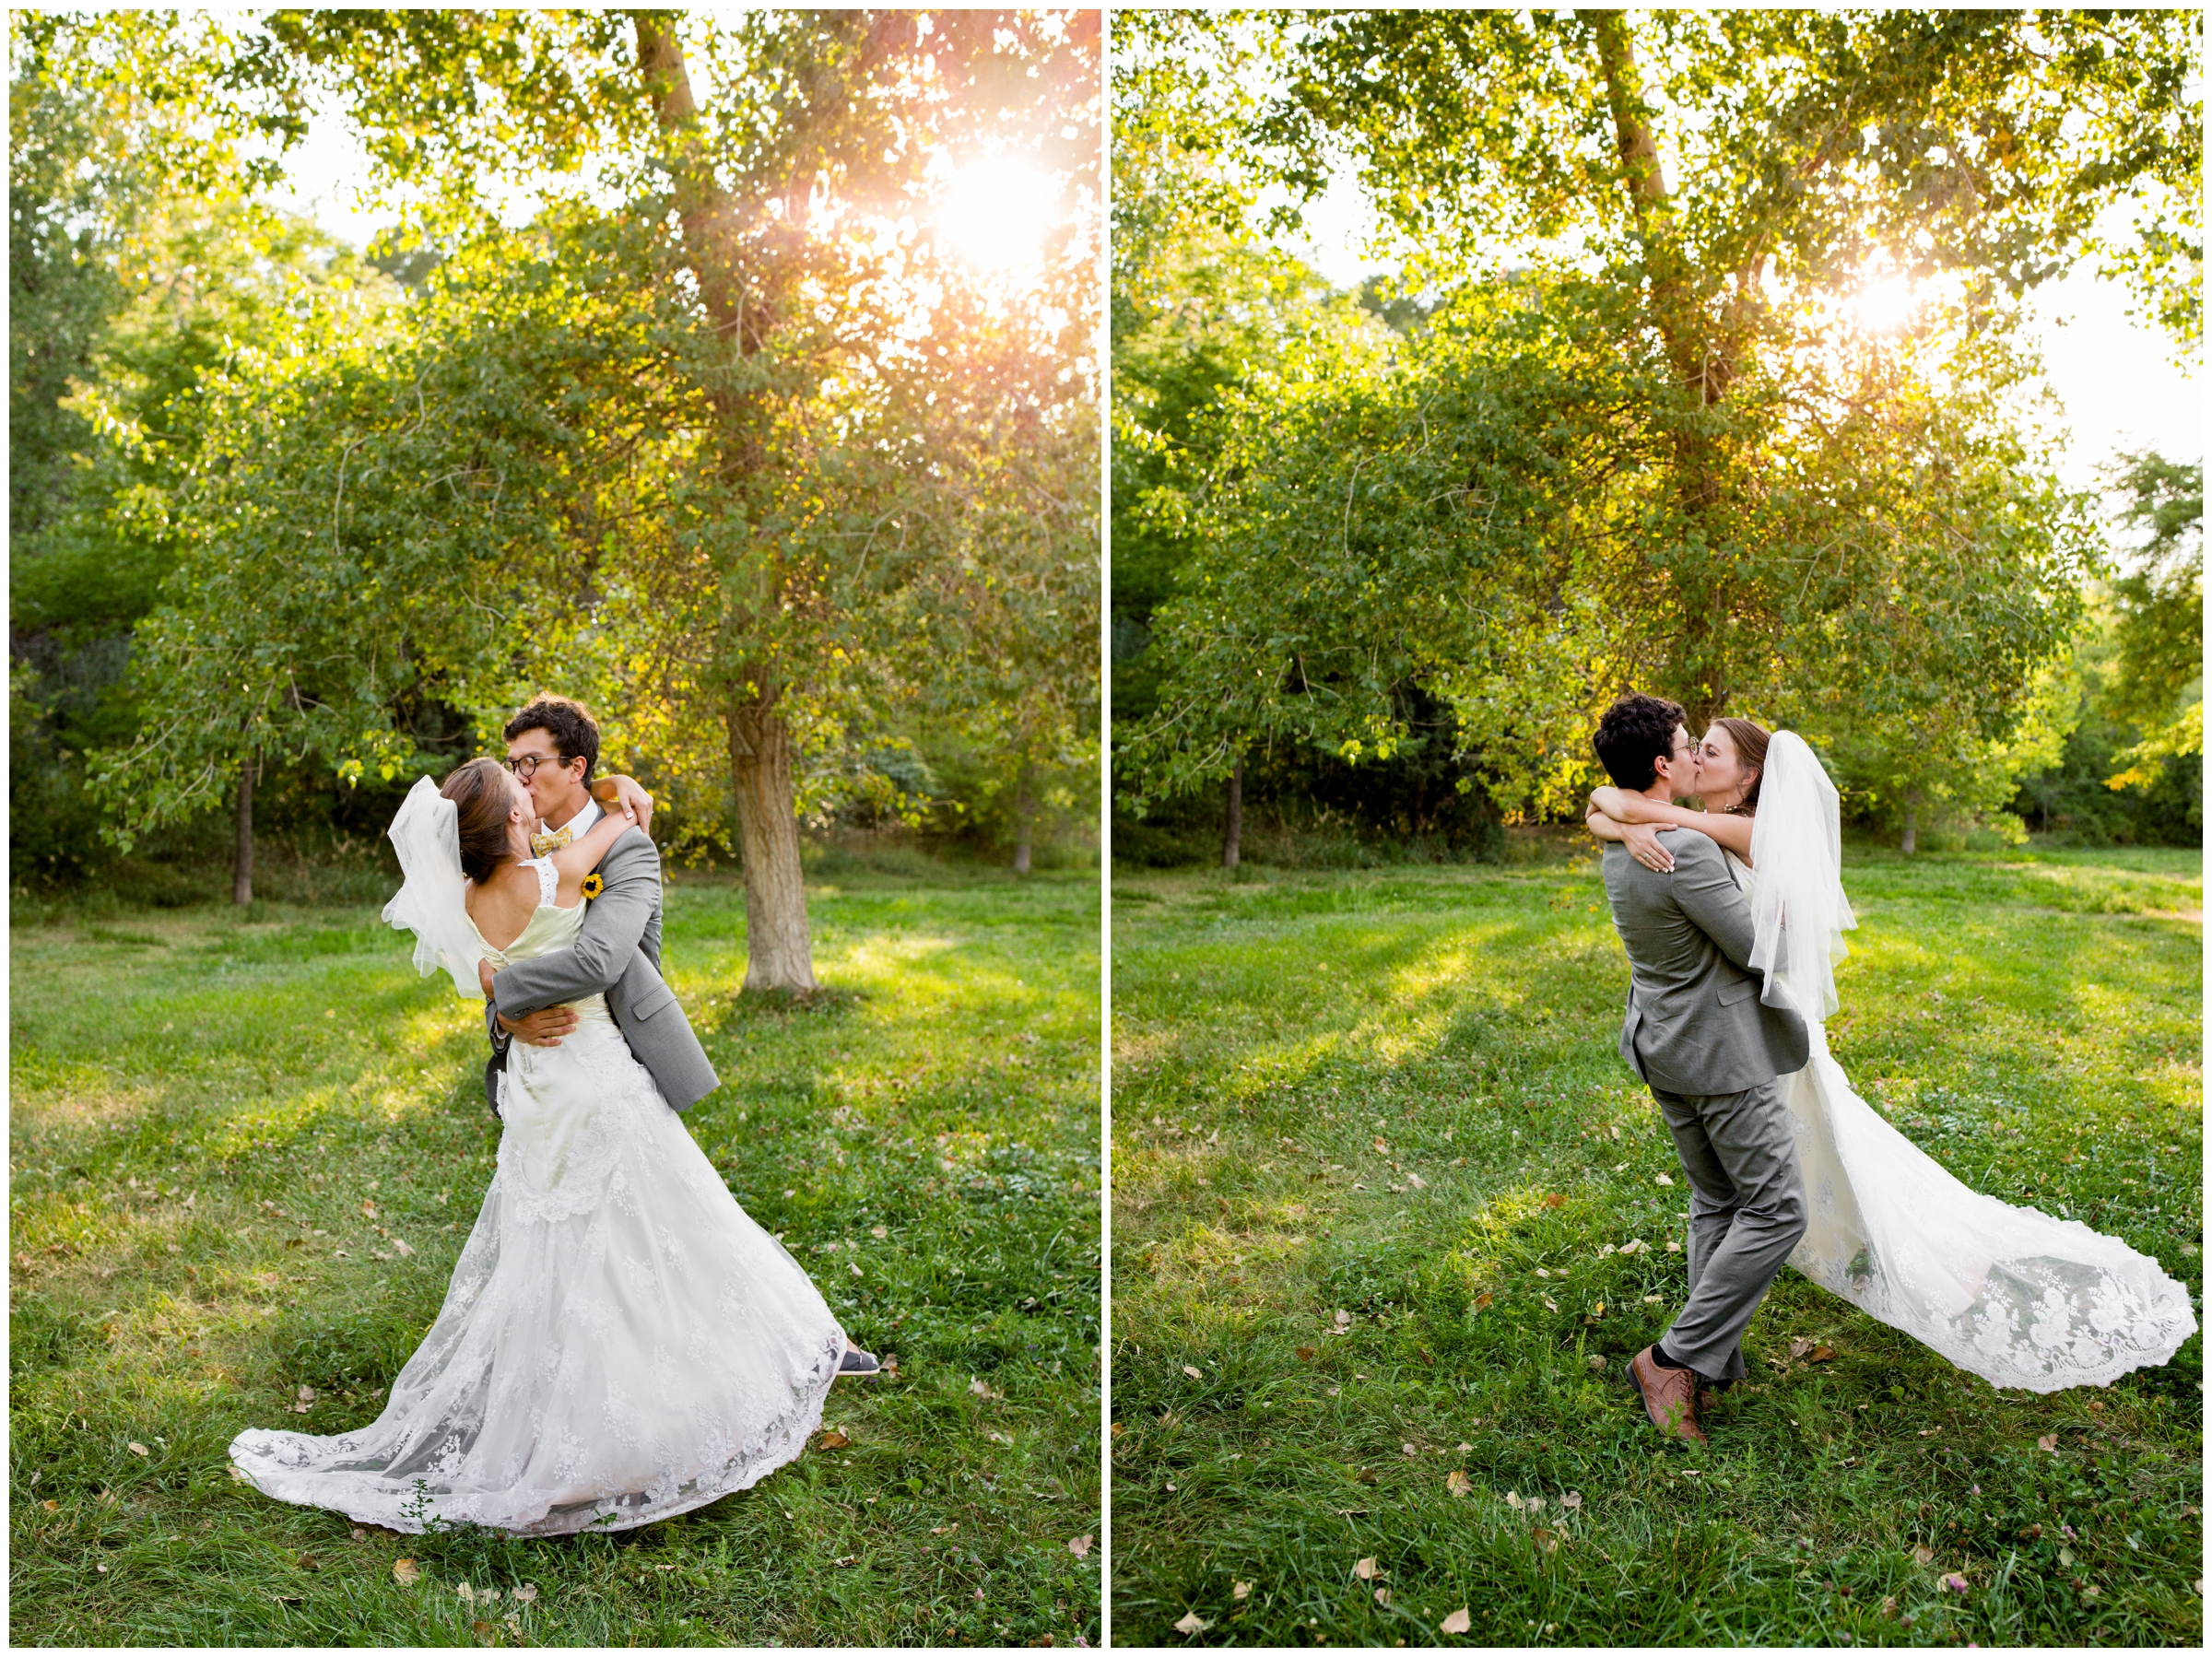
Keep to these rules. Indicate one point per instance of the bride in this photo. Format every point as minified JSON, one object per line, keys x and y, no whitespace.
{"x":619,"y":1341}
{"x":2011,"y":1293}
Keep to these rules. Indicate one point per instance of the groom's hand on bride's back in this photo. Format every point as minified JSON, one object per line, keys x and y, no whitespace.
{"x":544,"y":1027}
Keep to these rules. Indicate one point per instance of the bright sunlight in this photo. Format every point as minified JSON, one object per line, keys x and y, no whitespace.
{"x":994,"y":214}
{"x":1884,"y":304}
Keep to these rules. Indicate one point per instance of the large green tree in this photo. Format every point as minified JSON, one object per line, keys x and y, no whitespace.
{"x":770,"y":178}
{"x":1702,"y":473}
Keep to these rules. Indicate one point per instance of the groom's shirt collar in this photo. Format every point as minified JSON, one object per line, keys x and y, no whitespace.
{"x":578,"y":826}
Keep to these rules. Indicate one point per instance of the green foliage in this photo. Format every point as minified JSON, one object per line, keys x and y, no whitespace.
{"x":1704,"y":148}
{"x":722,"y":428}
{"x":138,"y":271}
{"x":1641,"y":441}
{"x":1354,"y":1115}
{"x":944,"y":1091}
{"x":2159,"y":682}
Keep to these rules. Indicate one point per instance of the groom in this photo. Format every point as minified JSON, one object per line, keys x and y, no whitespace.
{"x":552,"y":746}
{"x":1699,"y":1036}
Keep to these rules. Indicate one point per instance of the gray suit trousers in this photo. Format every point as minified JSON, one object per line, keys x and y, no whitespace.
{"x":1747,"y":1212}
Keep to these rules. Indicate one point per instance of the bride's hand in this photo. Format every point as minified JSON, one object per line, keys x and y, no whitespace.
{"x":1642,"y":842}
{"x":624,"y":795}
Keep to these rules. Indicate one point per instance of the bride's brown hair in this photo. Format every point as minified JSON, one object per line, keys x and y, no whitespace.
{"x":482,"y":796}
{"x":1751,"y":749}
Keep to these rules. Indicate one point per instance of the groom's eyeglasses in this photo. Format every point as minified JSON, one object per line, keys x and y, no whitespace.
{"x":526,"y":767}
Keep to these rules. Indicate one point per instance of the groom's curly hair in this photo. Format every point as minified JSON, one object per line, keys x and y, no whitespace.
{"x":574,"y":732}
{"x":1635,"y":731}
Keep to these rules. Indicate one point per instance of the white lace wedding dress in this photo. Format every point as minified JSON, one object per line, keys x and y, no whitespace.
{"x":2015,"y":1295}
{"x":619,"y":1341}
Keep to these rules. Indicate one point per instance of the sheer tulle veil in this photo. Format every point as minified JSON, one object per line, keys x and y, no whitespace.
{"x":1799,"y":911}
{"x":427,"y":835}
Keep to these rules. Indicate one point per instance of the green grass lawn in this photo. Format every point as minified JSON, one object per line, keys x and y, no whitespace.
{"x":1372,"y":1143}
{"x":208,"y":1108}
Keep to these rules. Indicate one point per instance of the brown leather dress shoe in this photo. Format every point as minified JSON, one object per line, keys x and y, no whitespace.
{"x":1670,"y":1396}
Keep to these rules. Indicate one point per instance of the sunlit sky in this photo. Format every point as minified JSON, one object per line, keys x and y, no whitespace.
{"x":2116,"y":378}
{"x":995,"y":211}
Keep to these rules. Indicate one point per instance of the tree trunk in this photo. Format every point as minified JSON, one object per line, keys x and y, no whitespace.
{"x":1704,"y":365}
{"x":1022,"y":818}
{"x":779,"y":947}
{"x":1911,"y":843}
{"x":242,"y":861}
{"x":1232,"y":820}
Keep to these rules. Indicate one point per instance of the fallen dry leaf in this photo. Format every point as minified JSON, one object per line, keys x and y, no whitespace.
{"x":879,"y":1231}
{"x":1192,"y":1371}
{"x":1118,"y":1431}
{"x":527,"y":1593}
{"x":1344,"y":1320}
{"x":1821,"y":1355}
{"x":1888,"y":1605}
{"x":1665,"y":1179}
{"x":984,"y":1389}
{"x":368,"y":1209}
{"x":833,"y":1439}
{"x":52,"y":1506}
{"x":1305,"y":1355}
{"x":1459,"y":1621}
{"x":1381,"y":1596}
{"x":1365,"y":1569}
{"x":1550,"y":1304}
{"x":1924,"y":1556}
{"x":2048,"y":1441}
{"x":1571,"y":1501}
{"x":1597,"y":1360}
{"x":1240,"y":1591}
{"x":1481,"y":1300}
{"x":1512,"y":1500}
{"x":1547,"y":1540}
{"x":405,"y":1572}
{"x":1553,"y":1199}
{"x":1798,"y":1348}
{"x":483,"y":1629}
{"x":2090,"y":1592}
{"x":1192,"y":1623}
{"x":1458,"y":1483}
{"x":138,"y":1449}
{"x":1079,"y":1545}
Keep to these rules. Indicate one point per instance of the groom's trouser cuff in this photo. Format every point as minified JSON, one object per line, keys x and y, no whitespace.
{"x":1747,"y":1212}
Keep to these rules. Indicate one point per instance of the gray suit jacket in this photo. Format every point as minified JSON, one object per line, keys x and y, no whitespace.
{"x":1695,"y":1023}
{"x":616,"y":954}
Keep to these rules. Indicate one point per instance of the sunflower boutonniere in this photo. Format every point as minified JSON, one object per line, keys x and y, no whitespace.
{"x":592,"y":887}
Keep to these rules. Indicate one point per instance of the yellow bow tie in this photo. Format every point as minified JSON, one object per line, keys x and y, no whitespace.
{"x":542,"y":843}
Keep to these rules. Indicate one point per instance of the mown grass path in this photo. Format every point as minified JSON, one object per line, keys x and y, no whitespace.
{"x":224,"y":1130}
{"x":1377,"y":1168}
